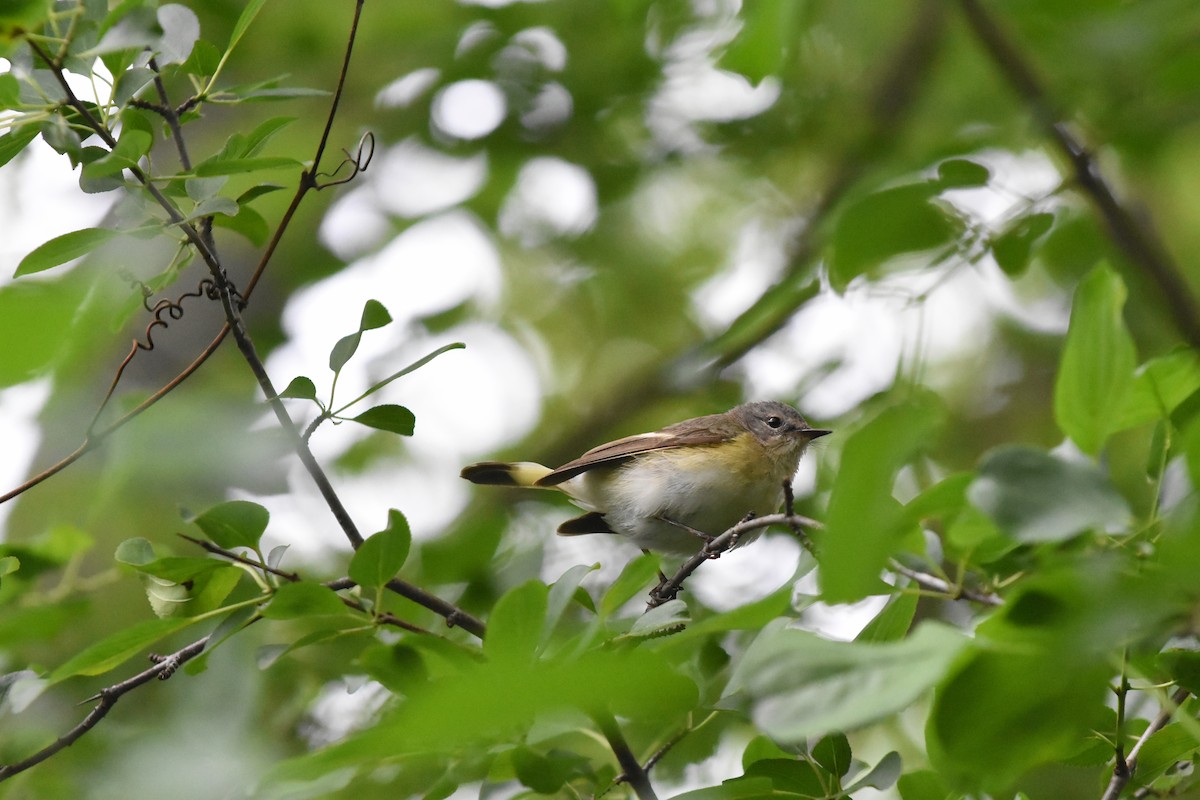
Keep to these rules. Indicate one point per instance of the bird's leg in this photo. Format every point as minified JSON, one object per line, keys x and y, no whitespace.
{"x":662,"y":578}
{"x":704,"y":537}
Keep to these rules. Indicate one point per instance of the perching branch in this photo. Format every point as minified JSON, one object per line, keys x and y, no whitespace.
{"x":1130,"y":230}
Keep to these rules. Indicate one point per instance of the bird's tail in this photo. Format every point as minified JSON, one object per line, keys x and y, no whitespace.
{"x":500,"y":473}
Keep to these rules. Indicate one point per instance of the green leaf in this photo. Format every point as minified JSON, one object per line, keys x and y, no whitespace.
{"x":374,"y":315}
{"x":1095,"y":375}
{"x":382,"y":555}
{"x":1164,"y":749}
{"x":303,"y":599}
{"x":1012,"y":248}
{"x":62,"y":249}
{"x":764,"y":44}
{"x":669,"y":617}
{"x":247,"y":222}
{"x":10,"y":92}
{"x":39,"y":315}
{"x":887,"y":224}
{"x":864,"y":522}
{"x":135,"y":552}
{"x":962,"y":173}
{"x":116,"y":649}
{"x":757,"y":787}
{"x":1159,"y":387}
{"x":1050,"y":703}
{"x":15,"y":141}
{"x":1033,"y":496}
{"x":238,"y":166}
{"x":833,"y":753}
{"x":265,"y":132}
{"x":560,"y":596}
{"x":9,"y":565}
{"x":751,"y":616}
{"x":516,"y":623}
{"x":636,"y":576}
{"x":413,"y":366}
{"x":801,"y":685}
{"x":893,"y":622}
{"x":237,"y":523}
{"x":243,"y":23}
{"x":923,"y":784}
{"x":301,"y":388}
{"x":391,"y":418}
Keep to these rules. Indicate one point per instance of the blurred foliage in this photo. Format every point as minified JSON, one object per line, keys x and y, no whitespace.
{"x":673,"y":191}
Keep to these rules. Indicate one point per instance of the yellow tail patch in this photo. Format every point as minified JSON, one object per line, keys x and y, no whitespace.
{"x":500,"y":473}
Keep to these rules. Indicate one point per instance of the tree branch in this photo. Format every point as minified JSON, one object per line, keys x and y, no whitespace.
{"x":632,"y":771}
{"x":1130,"y":230}
{"x":162,"y":669}
{"x":1121,"y":776}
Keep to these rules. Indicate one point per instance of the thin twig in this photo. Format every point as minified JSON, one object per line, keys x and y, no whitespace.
{"x":109,"y":696}
{"x":936,"y":584}
{"x":387,"y":618}
{"x":1121,"y":777}
{"x":1130,"y":230}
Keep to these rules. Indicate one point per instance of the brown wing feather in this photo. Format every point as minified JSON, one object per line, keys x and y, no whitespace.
{"x":681,"y":434}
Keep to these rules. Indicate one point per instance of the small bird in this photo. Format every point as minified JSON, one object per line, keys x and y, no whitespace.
{"x":672,"y":490}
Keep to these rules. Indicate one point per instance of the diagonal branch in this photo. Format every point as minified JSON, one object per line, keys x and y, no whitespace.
{"x":1123,"y":772}
{"x":1130,"y":230}
{"x":162,"y":669}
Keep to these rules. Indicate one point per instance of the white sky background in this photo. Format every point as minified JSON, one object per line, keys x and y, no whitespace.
{"x":472,"y":402}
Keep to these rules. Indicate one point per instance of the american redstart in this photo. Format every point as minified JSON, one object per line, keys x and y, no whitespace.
{"x":667,"y":490}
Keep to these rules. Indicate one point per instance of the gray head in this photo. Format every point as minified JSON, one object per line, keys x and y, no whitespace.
{"x":776,"y":425}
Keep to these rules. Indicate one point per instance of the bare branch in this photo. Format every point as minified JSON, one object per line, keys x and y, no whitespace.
{"x":162,"y":669}
{"x":632,"y":771}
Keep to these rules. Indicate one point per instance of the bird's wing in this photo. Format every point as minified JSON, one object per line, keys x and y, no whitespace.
{"x":630,"y":446}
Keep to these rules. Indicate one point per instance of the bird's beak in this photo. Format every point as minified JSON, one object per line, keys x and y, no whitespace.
{"x":815,"y":433}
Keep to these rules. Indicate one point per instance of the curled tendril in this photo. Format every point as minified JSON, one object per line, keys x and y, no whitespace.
{"x":356,"y":162}
{"x":164,"y":312}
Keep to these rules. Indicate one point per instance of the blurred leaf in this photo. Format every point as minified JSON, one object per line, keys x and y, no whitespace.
{"x":882,"y":776}
{"x":892,"y":623}
{"x":1014,"y":246}
{"x":560,"y":595}
{"x":516,"y":623}
{"x":751,"y":616}
{"x":801,"y":685}
{"x":636,"y":576}
{"x":1096,"y":372}
{"x":62,"y":249}
{"x":1159,"y":387}
{"x":1037,"y":709}
{"x":962,"y":173}
{"x":1034,"y":497}
{"x":886,"y":224}
{"x":923,"y":784}
{"x":760,"y":748}
{"x":237,"y":523}
{"x":1183,"y":666}
{"x":494,"y":699}
{"x":302,"y":599}
{"x":864,"y":521}
{"x":769,"y":30}
{"x":382,"y":555}
{"x":756,"y":787}
{"x":181,"y":29}
{"x":15,"y":141}
{"x":391,"y":418}
{"x":135,"y":552}
{"x":39,"y":315}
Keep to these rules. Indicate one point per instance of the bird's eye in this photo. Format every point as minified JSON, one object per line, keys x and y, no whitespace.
{"x":774,"y":422}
